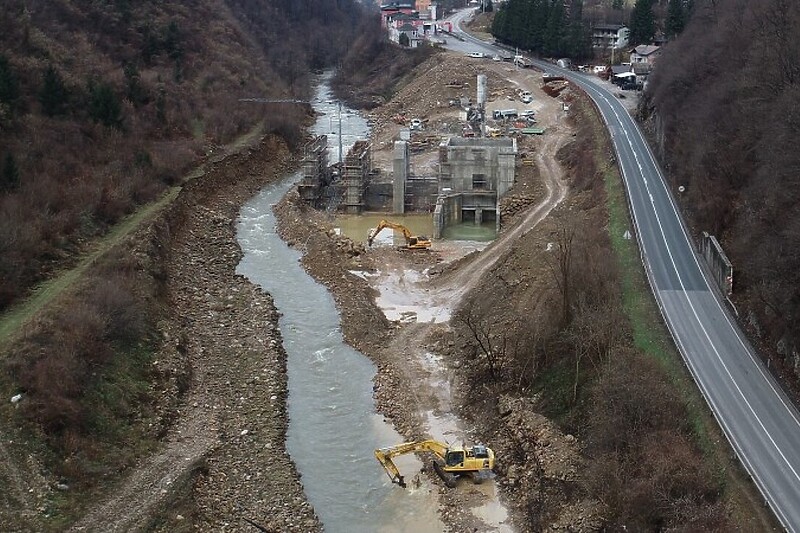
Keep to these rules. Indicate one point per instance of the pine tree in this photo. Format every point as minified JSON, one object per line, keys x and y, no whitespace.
{"x":554,"y":33}
{"x":9,"y":87}
{"x":9,"y":178}
{"x":104,"y":105}
{"x":676,"y":17}
{"x":54,"y":94}
{"x":643,"y":23}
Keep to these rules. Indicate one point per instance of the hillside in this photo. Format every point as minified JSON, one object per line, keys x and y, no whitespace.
{"x":724,"y":108}
{"x":105,"y":104}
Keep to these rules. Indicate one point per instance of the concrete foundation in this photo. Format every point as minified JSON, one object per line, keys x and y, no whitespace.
{"x":314,"y":166}
{"x":356,"y":172}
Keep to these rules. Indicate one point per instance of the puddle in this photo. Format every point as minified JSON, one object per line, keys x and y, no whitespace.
{"x":492,"y":512}
{"x":403,"y":297}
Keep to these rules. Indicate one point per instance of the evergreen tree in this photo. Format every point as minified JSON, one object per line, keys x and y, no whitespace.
{"x":580,"y":34}
{"x":403,"y":40}
{"x":643,"y":23}
{"x":54,"y":94}
{"x":554,"y":32}
{"x":104,"y":105}
{"x":9,"y":178}
{"x":676,"y":17}
{"x":134,"y":90}
{"x":9,"y":87}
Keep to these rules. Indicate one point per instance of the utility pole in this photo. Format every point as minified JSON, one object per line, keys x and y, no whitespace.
{"x":340,"y":134}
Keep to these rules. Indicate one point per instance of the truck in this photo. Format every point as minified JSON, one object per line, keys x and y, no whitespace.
{"x":500,"y":114}
{"x":522,"y":61}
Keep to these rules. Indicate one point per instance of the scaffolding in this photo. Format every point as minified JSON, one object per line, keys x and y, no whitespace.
{"x":315,"y":170}
{"x":356,"y":175}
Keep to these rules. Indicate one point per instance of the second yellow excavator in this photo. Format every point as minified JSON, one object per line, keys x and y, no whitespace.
{"x":451,"y":461}
{"x":413,"y":242}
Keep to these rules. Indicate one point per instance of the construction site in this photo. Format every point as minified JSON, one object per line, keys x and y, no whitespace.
{"x":455,"y":160}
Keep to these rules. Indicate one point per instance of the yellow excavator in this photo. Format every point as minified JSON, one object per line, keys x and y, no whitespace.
{"x":450,"y":463}
{"x":413,"y":242}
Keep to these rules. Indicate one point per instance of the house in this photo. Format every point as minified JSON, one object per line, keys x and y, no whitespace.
{"x":645,"y":53}
{"x":413,"y":32}
{"x":391,"y":10}
{"x":610,"y":36}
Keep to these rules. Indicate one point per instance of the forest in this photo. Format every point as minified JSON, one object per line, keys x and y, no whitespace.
{"x":723,"y":102}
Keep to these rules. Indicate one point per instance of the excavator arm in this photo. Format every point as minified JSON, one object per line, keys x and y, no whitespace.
{"x":385,"y":455}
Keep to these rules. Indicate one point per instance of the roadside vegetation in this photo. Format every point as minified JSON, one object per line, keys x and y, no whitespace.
{"x":579,"y":336}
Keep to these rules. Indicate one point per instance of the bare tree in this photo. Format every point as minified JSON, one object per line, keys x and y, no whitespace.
{"x":560,"y":265}
{"x":483,"y":330}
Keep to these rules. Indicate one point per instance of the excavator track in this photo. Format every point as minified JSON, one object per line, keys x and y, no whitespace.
{"x":449,"y":479}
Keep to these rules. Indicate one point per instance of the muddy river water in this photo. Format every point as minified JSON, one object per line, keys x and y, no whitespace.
{"x":333,"y":427}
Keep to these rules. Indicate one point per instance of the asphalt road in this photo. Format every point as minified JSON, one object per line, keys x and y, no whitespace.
{"x":761,"y":423}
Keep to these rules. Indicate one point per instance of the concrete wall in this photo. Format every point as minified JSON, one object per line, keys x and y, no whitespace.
{"x":400,"y":165}
{"x":460,"y":159}
{"x":421,"y":193}
{"x":447,"y":212}
{"x":718,"y":262}
{"x":481,"y":171}
{"x":379,"y":197}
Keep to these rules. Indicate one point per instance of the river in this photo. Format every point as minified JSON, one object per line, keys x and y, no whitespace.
{"x":333,"y":425}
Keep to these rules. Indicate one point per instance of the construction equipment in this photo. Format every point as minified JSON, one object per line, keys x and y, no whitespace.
{"x":413,"y":242}
{"x":450,"y":463}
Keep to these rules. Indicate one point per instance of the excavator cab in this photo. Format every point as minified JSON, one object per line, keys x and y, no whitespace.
{"x":454,"y":458}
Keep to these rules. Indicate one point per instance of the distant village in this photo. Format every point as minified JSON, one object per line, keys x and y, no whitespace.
{"x":412,"y":23}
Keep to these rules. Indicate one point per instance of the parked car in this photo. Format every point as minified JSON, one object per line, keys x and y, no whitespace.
{"x":527,"y":113}
{"x":477,"y":55}
{"x":415,"y":124}
{"x":526,"y":98}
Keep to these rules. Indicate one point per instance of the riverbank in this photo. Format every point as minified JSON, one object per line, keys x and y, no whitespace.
{"x":223,"y":461}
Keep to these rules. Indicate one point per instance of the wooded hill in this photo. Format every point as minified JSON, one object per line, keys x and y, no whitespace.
{"x":104,"y":104}
{"x":724,"y":97}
